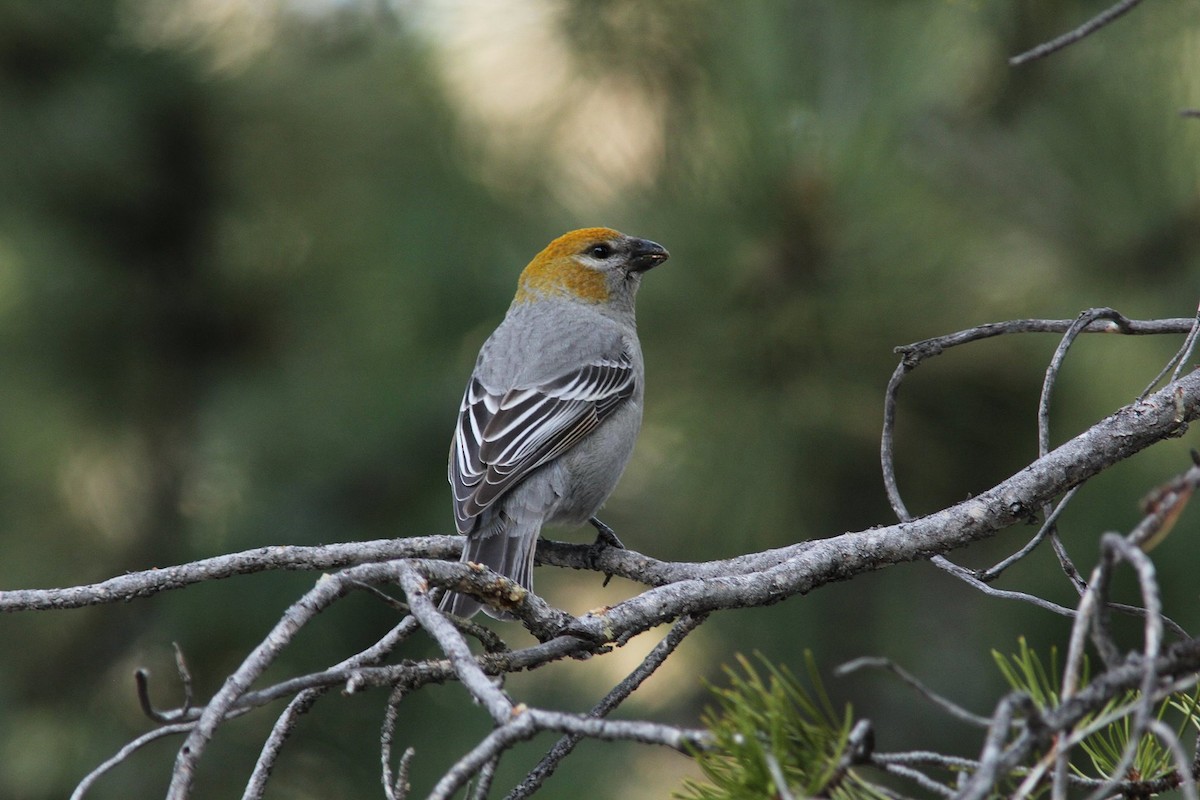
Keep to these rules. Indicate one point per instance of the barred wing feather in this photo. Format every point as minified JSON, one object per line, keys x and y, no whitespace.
{"x":502,"y":438}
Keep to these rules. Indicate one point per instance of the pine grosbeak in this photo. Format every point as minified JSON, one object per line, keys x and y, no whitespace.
{"x":550,"y":415}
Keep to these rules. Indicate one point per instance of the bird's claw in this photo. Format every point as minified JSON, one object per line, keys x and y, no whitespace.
{"x":605,"y":538}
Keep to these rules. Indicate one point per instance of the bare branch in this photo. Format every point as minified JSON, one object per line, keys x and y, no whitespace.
{"x":956,"y":711}
{"x":1180,"y":358}
{"x":142,"y":680}
{"x":1082,"y":322}
{"x":125,"y":752}
{"x":528,"y":722}
{"x":911,"y":356}
{"x":917,"y":777}
{"x":327,"y":590}
{"x":453,"y":645}
{"x":484,"y":784}
{"x":286,"y":557}
{"x":1048,"y":526}
{"x":1071,"y":37}
{"x":393,"y":784}
{"x":305,"y":700}
{"x":281,"y":731}
{"x":1183,"y":765}
{"x":653,"y":660}
{"x":1090,"y":617}
{"x":995,"y":759}
{"x":1118,"y":436}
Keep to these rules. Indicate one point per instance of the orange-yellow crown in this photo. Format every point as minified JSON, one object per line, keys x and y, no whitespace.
{"x":555,"y":270}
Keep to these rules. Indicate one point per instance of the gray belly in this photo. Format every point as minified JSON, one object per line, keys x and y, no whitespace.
{"x":587,"y":474}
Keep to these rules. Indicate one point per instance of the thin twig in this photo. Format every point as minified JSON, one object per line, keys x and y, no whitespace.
{"x":302,"y":702}
{"x":991,"y":760}
{"x":876,"y":662}
{"x":1179,"y":359}
{"x":990,"y":574}
{"x":1066,"y":564}
{"x":281,"y":731}
{"x":125,"y":752}
{"x":402,"y":786}
{"x":142,"y":682}
{"x":1071,"y":37}
{"x":1151,"y":648}
{"x":1083,"y":321}
{"x":327,"y":591}
{"x":653,"y":660}
{"x":526,"y":723}
{"x":1183,"y":768}
{"x":887,"y":444}
{"x":451,"y":642}
{"x":392,"y":788}
{"x":912,"y":355}
{"x":928,"y":348}
{"x":484,"y":785}
{"x":926,"y":758}
{"x":919,"y":778}
{"x":969,"y":577}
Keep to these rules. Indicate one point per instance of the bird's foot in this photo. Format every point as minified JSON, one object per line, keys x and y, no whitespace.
{"x":605,"y":538}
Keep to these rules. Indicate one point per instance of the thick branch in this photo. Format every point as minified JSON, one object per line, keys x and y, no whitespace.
{"x":1117,"y":437}
{"x":749,"y":580}
{"x":247,"y":562}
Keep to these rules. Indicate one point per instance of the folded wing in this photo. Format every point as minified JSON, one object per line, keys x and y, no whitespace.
{"x":501,"y":438}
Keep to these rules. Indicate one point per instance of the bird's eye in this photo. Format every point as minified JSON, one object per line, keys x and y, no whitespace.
{"x":600,"y":251}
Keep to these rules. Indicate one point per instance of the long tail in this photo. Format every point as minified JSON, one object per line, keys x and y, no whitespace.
{"x":508,"y":551}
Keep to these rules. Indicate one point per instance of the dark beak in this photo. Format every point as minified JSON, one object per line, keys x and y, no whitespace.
{"x":645,"y":255}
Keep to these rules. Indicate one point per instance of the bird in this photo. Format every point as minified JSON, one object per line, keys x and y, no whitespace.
{"x":553,"y":406}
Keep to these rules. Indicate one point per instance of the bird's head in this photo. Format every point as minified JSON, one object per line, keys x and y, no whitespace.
{"x":590,"y":265}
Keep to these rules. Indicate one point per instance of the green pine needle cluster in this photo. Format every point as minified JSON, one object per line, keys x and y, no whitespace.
{"x":771,"y":729}
{"x":1025,"y":672}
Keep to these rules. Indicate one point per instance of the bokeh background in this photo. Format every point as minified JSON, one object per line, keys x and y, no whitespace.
{"x":248,"y":251}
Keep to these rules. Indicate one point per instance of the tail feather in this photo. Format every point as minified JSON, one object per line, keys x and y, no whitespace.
{"x":508,"y":552}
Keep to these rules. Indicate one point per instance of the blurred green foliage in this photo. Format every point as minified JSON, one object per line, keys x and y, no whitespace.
{"x":248,"y":253}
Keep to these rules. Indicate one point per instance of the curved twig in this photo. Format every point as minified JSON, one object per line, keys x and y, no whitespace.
{"x":912,"y":355}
